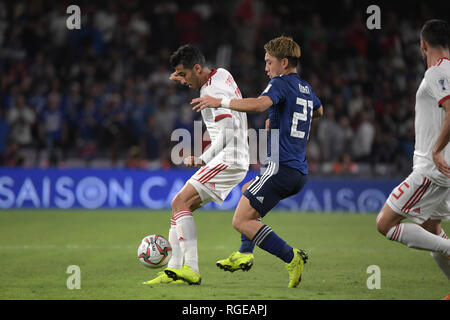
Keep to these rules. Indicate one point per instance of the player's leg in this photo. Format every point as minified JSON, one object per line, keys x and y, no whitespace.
{"x":247,"y":245}
{"x":182,"y":236}
{"x":183,"y":205}
{"x":185,"y":233}
{"x":242,"y":259}
{"x":410,"y":234}
{"x":245,"y":221}
{"x":260,"y":197}
{"x":213,"y":184}
{"x":442,"y":260}
{"x":415,"y":198}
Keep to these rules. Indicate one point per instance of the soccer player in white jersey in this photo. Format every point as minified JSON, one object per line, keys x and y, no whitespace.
{"x":223,"y":165}
{"x":424,"y":196}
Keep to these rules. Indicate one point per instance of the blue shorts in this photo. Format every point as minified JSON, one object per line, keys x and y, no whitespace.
{"x":275,"y":184}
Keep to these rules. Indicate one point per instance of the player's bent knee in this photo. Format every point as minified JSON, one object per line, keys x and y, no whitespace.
{"x":387,"y":219}
{"x":179,"y":203}
{"x":381,"y":224}
{"x":236,"y":223}
{"x":175,"y":202}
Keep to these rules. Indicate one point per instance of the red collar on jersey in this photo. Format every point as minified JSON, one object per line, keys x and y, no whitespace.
{"x":440,"y":61}
{"x":208,"y":81}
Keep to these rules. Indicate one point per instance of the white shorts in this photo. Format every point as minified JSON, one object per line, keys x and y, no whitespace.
{"x":215,"y":181}
{"x":419,"y":199}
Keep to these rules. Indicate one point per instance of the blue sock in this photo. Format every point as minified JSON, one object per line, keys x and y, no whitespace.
{"x":267,"y":240}
{"x":247,"y":245}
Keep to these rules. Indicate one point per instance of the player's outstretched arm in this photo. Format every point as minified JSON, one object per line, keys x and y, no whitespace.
{"x":259,"y":104}
{"x":442,"y":141}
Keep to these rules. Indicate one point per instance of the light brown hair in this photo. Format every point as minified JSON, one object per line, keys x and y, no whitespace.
{"x":284,"y":47}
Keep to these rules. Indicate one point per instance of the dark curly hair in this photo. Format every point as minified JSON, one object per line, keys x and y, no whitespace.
{"x":187,"y":55}
{"x":437,"y":33}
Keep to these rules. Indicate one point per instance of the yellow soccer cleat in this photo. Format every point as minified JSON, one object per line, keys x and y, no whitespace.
{"x":185,"y":273}
{"x":295,"y":267}
{"x":237,"y":261}
{"x":162,"y":278}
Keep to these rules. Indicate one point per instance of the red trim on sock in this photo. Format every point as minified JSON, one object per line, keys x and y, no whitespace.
{"x":178,"y":214}
{"x":183,"y":215}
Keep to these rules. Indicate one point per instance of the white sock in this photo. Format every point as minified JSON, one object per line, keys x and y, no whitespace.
{"x":187,"y":236}
{"x":414,"y":236}
{"x":442,"y":260}
{"x":176,"y":261}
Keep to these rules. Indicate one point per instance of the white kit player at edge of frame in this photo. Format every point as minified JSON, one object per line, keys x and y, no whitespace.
{"x":223,"y":165}
{"x":424,"y":196}
{"x":291,"y":105}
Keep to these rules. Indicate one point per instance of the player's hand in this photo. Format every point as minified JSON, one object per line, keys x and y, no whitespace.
{"x":193,"y":161}
{"x":267,"y":124}
{"x":175,"y":78}
{"x":205,"y":102}
{"x":441,"y":164}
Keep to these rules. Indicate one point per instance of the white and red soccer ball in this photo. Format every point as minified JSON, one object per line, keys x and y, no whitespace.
{"x":154,"y":251}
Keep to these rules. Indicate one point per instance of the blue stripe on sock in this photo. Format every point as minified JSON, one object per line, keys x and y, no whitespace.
{"x":276,"y":246}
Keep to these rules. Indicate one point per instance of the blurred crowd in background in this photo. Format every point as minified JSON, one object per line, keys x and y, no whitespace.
{"x":101,"y":96}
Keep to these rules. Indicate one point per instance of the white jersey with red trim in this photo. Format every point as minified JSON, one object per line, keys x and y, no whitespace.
{"x":433,"y":91}
{"x":221,"y":84}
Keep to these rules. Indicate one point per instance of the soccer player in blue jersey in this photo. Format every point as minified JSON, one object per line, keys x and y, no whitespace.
{"x":291,"y":105}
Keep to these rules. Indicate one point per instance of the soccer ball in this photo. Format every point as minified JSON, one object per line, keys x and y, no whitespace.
{"x":154,"y":251}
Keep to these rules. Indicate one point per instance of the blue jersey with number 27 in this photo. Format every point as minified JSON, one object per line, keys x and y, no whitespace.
{"x":291,"y":113}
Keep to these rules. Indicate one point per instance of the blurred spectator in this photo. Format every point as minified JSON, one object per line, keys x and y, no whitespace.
{"x":138,"y":29}
{"x":88,"y":122}
{"x":105,"y":21}
{"x":135,"y":159}
{"x":97,"y":92}
{"x":4,"y":137}
{"x":356,"y":102}
{"x":165,"y":115}
{"x":189,"y":23}
{"x":345,"y":165}
{"x":139,"y":114}
{"x":53,"y":130}
{"x":185,"y":119}
{"x":21,"y":119}
{"x":114,"y":130}
{"x":364,"y":138}
{"x":328,"y":133}
{"x":150,"y":141}
{"x":13,"y":156}
{"x":316,"y":36}
{"x":345,"y":136}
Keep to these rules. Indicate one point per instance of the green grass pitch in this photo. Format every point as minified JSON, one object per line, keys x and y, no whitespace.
{"x":37,"y":246}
